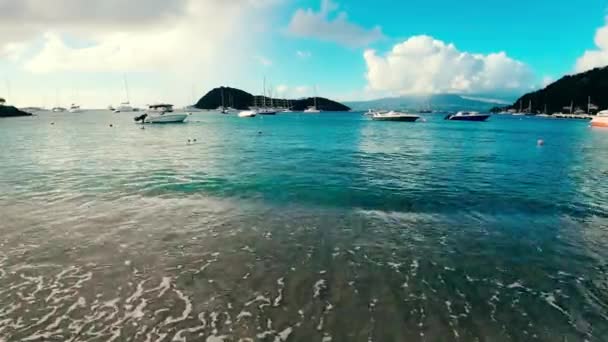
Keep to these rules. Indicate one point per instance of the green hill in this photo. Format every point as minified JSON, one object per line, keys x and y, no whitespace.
{"x":240,"y":99}
{"x":9,"y":111}
{"x":575,"y":89}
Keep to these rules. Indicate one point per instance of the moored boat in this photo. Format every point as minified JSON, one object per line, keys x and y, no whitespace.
{"x":601,"y":119}
{"x":394,"y":116}
{"x":248,"y":114}
{"x":467,"y":116}
{"x":161,"y":113}
{"x":74,"y":109}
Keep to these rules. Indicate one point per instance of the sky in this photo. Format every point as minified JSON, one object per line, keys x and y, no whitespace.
{"x":80,"y":51}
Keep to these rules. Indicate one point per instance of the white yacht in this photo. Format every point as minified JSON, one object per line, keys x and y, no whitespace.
{"x":161,"y":113}
{"x":601,"y":119}
{"x":394,"y":116}
{"x":248,"y":114}
{"x":74,"y":109}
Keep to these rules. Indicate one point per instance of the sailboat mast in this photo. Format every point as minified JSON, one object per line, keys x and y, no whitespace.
{"x":124,"y":78}
{"x":588,"y":104}
{"x":223,"y":106}
{"x":264,"y":105}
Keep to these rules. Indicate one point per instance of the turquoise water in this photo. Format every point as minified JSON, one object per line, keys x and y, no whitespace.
{"x":302,"y":228}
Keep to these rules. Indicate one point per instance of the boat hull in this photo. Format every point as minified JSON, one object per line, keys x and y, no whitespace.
{"x":468,"y":118}
{"x":404,"y":118}
{"x":165,"y":118}
{"x":247,"y":114}
{"x":600,"y":122}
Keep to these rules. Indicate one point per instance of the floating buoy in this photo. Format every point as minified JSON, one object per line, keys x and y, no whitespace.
{"x":540,"y":142}
{"x":194,"y":140}
{"x":52,"y":123}
{"x":111,"y":125}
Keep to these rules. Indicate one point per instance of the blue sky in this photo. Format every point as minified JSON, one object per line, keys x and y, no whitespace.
{"x":348,"y":50}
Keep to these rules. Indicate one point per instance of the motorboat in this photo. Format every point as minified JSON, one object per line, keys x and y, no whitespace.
{"x":287,"y":110}
{"x":468,"y":116}
{"x":248,"y":114}
{"x":601,"y":119}
{"x":74,"y":109}
{"x":394,"y":116}
{"x":58,"y":109}
{"x":161,"y":113}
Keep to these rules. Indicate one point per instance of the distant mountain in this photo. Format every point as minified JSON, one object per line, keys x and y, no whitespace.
{"x":440,"y":102}
{"x":8,"y":111}
{"x":240,"y":99}
{"x":570,"y":89}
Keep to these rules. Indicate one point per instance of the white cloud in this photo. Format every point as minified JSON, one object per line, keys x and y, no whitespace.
{"x":302,"y":91}
{"x":303,"y":54}
{"x":598,"y":57}
{"x":199,"y":38}
{"x":423,"y":65}
{"x":264,"y":61}
{"x":282,"y":89}
{"x":547,"y":80}
{"x":166,"y":42}
{"x":320,"y":25}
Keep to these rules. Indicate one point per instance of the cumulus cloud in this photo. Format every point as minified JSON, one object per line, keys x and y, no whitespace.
{"x":183,"y":41}
{"x":120,"y":36}
{"x":303,"y":54}
{"x":598,"y":57}
{"x":424,"y":65}
{"x":323,"y":25}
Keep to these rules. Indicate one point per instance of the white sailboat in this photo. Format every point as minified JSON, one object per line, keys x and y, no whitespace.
{"x":313,"y":109}
{"x":266,"y":110}
{"x":126,"y":105}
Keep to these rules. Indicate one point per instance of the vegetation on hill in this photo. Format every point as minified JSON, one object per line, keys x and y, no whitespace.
{"x":571,"y":89}
{"x":240,"y":99}
{"x":8,"y":111}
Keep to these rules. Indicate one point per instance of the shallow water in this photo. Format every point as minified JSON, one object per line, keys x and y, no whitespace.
{"x":302,"y":228}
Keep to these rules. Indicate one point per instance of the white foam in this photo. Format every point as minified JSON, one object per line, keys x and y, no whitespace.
{"x":284,"y":335}
{"x":318,"y":287}
{"x":265,"y":301}
{"x":185,"y":313}
{"x":243,"y":314}
{"x":279,"y":298}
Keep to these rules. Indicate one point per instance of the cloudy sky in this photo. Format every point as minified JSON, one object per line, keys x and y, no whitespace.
{"x":55,"y":52}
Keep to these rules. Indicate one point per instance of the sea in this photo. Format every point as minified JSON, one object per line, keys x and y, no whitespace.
{"x":302,"y":227}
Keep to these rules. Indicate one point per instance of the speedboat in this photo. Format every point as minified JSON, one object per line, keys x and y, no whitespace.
{"x":287,"y":110}
{"x":74,"y":109}
{"x":601,"y":119}
{"x":58,"y":109}
{"x":161,"y":113}
{"x":124,"y":107}
{"x":394,"y":116}
{"x":468,"y":116}
{"x":312,"y":109}
{"x":248,"y":114}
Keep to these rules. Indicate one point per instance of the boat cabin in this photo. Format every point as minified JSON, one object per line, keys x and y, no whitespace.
{"x":161,"y":107}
